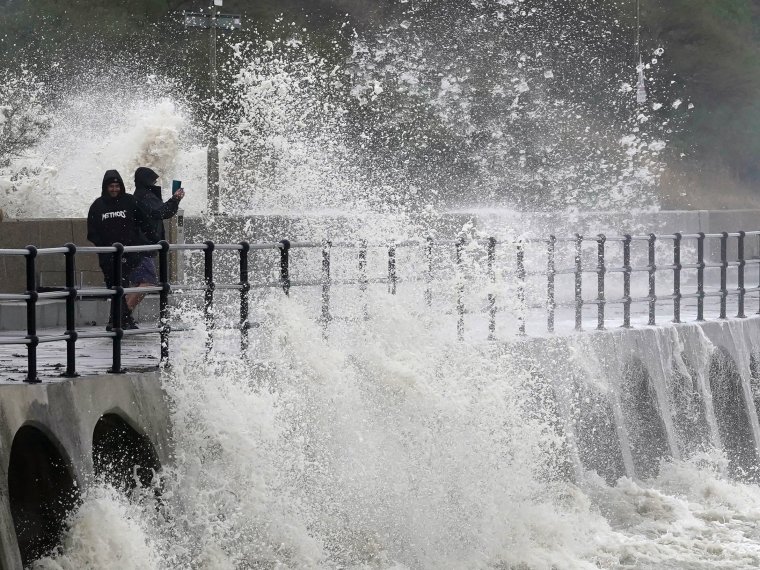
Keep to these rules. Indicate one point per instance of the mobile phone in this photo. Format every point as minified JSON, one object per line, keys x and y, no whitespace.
{"x":176,"y":185}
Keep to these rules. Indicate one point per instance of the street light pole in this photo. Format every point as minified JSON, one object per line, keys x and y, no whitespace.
{"x":212,"y":170}
{"x":229,"y":22}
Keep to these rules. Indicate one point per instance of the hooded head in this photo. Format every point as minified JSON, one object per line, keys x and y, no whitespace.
{"x":109,"y":177}
{"x":145,"y":177}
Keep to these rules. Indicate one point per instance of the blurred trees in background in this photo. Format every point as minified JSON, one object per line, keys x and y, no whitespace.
{"x":711,"y":56}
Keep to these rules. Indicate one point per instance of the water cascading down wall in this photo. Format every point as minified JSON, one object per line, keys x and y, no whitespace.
{"x":629,"y":399}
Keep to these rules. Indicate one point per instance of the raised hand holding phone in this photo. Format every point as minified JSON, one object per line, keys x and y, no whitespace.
{"x":177,"y":191}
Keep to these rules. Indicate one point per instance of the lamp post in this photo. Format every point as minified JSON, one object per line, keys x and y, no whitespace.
{"x":212,"y":21}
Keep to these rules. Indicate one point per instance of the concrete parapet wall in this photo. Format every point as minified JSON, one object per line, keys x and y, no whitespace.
{"x":42,"y":233}
{"x":67,"y":413}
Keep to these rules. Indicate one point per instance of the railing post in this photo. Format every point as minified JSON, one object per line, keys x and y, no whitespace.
{"x":245,"y":288}
{"x":392,"y":269}
{"x":163,"y":301}
{"x":31,"y":315}
{"x":363,"y":281}
{"x":740,"y":275}
{"x":429,"y":271}
{"x":627,"y":270}
{"x":551,"y":273}
{"x":208,"y":301}
{"x":723,"y":273}
{"x":117,"y":300}
{"x":491,"y":293}
{"x":521,"y":288}
{"x":601,"y":270}
{"x":325,"y":318}
{"x":285,"y":266}
{"x":460,"y":289}
{"x":701,"y":276}
{"x":677,"y":267}
{"x":71,"y":333}
{"x":578,"y":282}
{"x":652,"y":269}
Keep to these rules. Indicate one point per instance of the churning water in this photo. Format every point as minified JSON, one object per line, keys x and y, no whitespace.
{"x":389,"y":444}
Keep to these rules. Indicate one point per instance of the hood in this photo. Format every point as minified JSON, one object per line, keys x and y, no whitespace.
{"x":109,"y":177}
{"x":145,"y":177}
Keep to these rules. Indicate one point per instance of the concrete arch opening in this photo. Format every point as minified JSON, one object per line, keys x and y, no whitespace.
{"x":41,"y":491}
{"x":731,"y":415}
{"x":643,"y":420}
{"x":596,"y":434}
{"x":121,"y":455}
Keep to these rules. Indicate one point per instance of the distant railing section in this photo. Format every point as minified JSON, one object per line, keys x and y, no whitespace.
{"x":425,"y":274}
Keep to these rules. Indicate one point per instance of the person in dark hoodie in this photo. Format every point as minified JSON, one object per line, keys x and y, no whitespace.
{"x":116,"y":217}
{"x":150,"y":201}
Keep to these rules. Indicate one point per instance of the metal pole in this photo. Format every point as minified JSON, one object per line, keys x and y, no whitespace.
{"x":627,"y":281}
{"x":740,"y":275}
{"x":491,"y":294}
{"x":460,"y":289}
{"x":551,"y":273}
{"x":213,"y":143}
{"x":326,"y":247}
{"x":600,"y":275}
{"x":285,"y":266}
{"x":208,"y":301}
{"x":163,"y":300}
{"x":429,"y":271}
{"x":723,"y":273}
{"x":71,"y":363}
{"x":521,"y":287}
{"x":652,"y":268}
{"x":677,"y":277}
{"x":245,"y":288}
{"x":701,"y":276}
{"x":392,"y":269}
{"x":363,"y":278}
{"x":31,"y":315}
{"x":578,"y":282}
{"x":117,"y":300}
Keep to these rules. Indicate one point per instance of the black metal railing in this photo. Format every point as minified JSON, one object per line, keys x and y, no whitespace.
{"x":512,"y":266}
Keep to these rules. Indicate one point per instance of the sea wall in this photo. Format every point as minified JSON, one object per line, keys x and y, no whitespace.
{"x":55,"y":437}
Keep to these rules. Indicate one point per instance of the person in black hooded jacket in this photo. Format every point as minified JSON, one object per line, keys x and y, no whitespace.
{"x":149,"y":200}
{"x":116,"y":217}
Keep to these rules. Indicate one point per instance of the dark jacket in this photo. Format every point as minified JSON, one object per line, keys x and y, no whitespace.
{"x":148,"y":197}
{"x":112,"y":220}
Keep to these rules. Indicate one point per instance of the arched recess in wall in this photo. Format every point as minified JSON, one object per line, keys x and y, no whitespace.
{"x":731,"y":415}
{"x":688,"y":405}
{"x":541,"y":406}
{"x":596,"y":434}
{"x":122,"y":455}
{"x":41,"y":492}
{"x":643,"y":421}
{"x":754,"y":370}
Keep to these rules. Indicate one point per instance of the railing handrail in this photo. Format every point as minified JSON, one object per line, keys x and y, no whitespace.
{"x":516,"y":247}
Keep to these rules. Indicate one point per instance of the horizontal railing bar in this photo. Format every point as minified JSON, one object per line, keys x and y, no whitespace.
{"x":99,"y":334}
{"x":14,"y":340}
{"x":13,"y":297}
{"x":14,"y":252}
{"x":229,"y":287}
{"x":53,"y":338}
{"x":137,"y":332}
{"x":228,"y":246}
{"x":93,"y":249}
{"x":52,"y":250}
{"x":53,"y":295}
{"x":141,"y":290}
{"x":141,"y":248}
{"x":82,"y":293}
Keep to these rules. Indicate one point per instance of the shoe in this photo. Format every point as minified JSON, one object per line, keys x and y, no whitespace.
{"x":128,"y":322}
